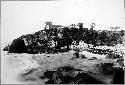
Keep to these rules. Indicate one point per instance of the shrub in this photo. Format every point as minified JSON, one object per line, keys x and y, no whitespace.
{"x":17,"y":46}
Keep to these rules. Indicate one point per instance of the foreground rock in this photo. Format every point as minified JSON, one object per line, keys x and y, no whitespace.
{"x":71,"y":75}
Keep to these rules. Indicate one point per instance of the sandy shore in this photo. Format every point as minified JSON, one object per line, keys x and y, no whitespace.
{"x":14,"y":64}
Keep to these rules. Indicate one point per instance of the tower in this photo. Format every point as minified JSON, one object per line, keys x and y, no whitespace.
{"x":92,"y":26}
{"x":48,"y":25}
{"x":80,"y":25}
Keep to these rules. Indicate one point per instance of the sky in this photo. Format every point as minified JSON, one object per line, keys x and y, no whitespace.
{"x":24,"y":17}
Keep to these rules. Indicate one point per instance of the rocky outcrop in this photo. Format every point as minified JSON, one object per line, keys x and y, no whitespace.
{"x":44,"y":41}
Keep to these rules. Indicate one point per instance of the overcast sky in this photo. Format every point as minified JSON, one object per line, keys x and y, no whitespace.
{"x":24,"y":17}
